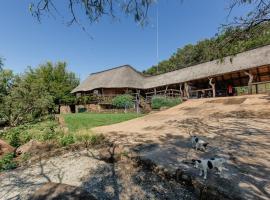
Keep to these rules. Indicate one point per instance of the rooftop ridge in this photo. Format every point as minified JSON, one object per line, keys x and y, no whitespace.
{"x":121,"y":66}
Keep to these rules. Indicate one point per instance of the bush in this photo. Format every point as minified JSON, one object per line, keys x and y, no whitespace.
{"x":88,"y":137}
{"x":160,"y":101}
{"x":67,"y":140}
{"x":7,"y":163}
{"x":123,"y":101}
{"x":13,"y":137}
{"x":22,"y":134}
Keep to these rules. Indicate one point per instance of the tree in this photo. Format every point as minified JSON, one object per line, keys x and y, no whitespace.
{"x":6,"y":82}
{"x":247,"y":26}
{"x":28,"y":100}
{"x":258,"y":15}
{"x":36,"y":93}
{"x":58,"y":81}
{"x":94,"y":10}
{"x":214,"y":48}
{"x":1,"y":64}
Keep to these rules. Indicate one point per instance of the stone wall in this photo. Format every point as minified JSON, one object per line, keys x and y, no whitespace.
{"x":100,"y":109}
{"x":65,"y":109}
{"x":88,"y":108}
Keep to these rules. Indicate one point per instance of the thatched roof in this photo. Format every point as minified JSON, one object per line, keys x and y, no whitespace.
{"x":120,"y":77}
{"x":127,"y":77}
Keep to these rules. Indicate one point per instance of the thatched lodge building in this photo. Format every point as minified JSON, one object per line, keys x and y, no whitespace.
{"x":247,"y":72}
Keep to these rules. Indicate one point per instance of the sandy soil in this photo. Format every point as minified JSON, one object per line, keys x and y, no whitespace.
{"x":238,"y":129}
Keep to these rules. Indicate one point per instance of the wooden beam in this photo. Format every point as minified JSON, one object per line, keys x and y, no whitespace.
{"x":258,"y":75}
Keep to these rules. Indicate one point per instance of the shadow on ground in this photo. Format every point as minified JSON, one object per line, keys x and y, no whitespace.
{"x":245,"y":147}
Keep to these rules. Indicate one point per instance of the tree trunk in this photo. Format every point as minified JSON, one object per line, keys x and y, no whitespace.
{"x":249,"y":82}
{"x":213,"y":86}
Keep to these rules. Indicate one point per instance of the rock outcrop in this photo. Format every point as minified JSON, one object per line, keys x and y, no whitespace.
{"x":5,"y":148}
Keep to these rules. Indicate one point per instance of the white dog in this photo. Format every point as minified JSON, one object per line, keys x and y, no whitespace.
{"x":205,"y":164}
{"x":197,"y":142}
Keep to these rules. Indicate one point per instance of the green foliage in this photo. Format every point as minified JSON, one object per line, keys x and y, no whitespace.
{"x":7,"y":162}
{"x":57,"y":81}
{"x":86,"y":99}
{"x":224,"y":44}
{"x":123,"y":101}
{"x":160,"y":101}
{"x":42,"y":131}
{"x":78,"y":121}
{"x":13,"y":137}
{"x":67,"y":140}
{"x":1,"y":64}
{"x":6,"y":81}
{"x":48,"y":131}
{"x":88,"y":138}
{"x":36,"y":93}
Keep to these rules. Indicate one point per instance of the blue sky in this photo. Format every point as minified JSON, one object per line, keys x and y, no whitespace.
{"x":25,"y":42}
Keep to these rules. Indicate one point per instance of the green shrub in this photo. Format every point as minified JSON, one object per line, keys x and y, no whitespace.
{"x":13,"y":137}
{"x":123,"y":101}
{"x":67,"y":140}
{"x":22,"y":134}
{"x":87,"y":137}
{"x":160,"y":101}
{"x":7,"y":162}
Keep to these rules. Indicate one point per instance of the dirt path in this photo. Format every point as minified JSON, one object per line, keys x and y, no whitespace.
{"x":238,"y":129}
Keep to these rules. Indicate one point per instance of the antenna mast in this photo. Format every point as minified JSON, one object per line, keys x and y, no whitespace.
{"x":157,"y":36}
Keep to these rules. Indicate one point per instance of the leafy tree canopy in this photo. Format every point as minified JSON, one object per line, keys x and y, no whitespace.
{"x":1,"y":64}
{"x":214,"y":48}
{"x":35,"y":93}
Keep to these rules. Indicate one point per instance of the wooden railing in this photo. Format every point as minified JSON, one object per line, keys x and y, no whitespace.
{"x":167,"y":93}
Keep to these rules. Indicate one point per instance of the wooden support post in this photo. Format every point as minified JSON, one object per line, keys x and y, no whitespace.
{"x":155,"y":91}
{"x":249,"y":82}
{"x":166,"y":89}
{"x":138,"y":101}
{"x":181,"y":91}
{"x":213,"y":85}
{"x":187,"y":89}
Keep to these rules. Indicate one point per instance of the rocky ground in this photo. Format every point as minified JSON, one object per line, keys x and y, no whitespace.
{"x":103,"y":179}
